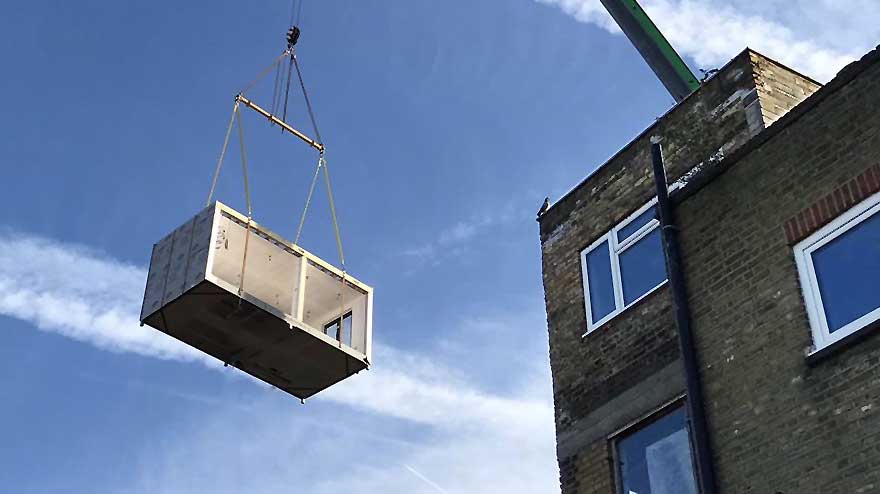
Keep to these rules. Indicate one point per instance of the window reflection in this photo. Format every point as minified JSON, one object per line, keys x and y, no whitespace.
{"x":332,"y":330}
{"x":642,"y":267}
{"x":848,"y":270}
{"x":599,"y":279}
{"x":634,"y":225}
{"x":656,"y":459}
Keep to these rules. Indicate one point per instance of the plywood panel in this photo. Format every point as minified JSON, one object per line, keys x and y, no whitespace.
{"x":192,"y":294}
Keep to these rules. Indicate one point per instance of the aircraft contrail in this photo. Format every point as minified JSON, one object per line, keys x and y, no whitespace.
{"x":425,"y":479}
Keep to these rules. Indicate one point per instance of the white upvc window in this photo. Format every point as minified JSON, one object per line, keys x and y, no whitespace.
{"x":623,"y":266}
{"x":839,"y":270}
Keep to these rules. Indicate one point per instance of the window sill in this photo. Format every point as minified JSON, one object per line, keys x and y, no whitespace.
{"x":817,"y":356}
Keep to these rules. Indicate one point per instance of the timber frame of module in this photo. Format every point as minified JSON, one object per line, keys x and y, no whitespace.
{"x":281,"y":123}
{"x":265,"y":311}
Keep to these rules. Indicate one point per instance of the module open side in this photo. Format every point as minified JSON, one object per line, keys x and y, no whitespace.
{"x":243,"y":294}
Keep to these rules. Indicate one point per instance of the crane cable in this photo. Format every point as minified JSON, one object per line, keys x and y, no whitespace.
{"x":287,"y":87}
{"x":236,"y":118}
{"x":222,"y":154}
{"x":306,"y":98}
{"x":295,"y":7}
{"x":247,"y":196}
{"x":235,"y":114}
{"x":293,"y":35}
{"x":266,"y":71}
{"x":275,"y":88}
{"x":322,"y":163}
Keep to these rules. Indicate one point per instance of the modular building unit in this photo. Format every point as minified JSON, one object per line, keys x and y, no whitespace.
{"x":246,"y":296}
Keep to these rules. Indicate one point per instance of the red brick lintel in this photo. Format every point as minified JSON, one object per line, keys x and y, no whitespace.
{"x":801,"y":225}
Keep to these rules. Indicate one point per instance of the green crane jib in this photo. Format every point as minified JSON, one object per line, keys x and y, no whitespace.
{"x":653,"y":46}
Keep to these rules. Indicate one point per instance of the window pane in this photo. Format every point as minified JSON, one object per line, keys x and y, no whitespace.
{"x":331,"y":329}
{"x":599,"y":280}
{"x":642,"y":266}
{"x":346,"y":329}
{"x":639,"y":221}
{"x":657,"y":458}
{"x":848,"y":272}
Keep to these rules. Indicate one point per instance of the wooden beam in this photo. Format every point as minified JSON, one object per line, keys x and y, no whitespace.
{"x":281,"y":123}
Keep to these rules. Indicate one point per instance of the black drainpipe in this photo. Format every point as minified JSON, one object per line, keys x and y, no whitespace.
{"x":696,"y":412}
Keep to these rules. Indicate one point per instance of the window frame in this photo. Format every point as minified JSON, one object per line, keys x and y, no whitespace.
{"x":803,"y":250}
{"x":615,"y":249}
{"x":341,"y":321}
{"x":644,"y":422}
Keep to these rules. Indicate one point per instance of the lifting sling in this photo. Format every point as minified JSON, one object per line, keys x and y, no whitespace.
{"x":316,"y":143}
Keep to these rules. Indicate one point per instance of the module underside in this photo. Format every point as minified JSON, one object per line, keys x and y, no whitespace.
{"x":258,"y":342}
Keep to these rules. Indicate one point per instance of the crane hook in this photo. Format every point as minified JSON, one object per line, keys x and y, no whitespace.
{"x":292,"y":36}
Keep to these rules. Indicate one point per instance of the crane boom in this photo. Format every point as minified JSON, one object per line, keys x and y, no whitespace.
{"x":654,"y":47}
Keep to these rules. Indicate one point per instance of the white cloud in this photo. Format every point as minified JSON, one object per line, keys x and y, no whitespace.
{"x":410,"y":424}
{"x":328,"y":450}
{"x":454,"y":239}
{"x":408,"y":386}
{"x":77,"y":292}
{"x":450,"y":238}
{"x":806,"y":35}
{"x":587,"y":11}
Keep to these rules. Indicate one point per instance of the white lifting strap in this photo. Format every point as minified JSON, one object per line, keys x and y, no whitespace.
{"x":322,"y":163}
{"x":222,"y":154}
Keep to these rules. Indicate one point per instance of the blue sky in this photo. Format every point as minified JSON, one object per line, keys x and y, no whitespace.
{"x":446,"y":124}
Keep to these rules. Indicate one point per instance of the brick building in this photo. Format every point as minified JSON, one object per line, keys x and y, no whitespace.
{"x":776,"y":190}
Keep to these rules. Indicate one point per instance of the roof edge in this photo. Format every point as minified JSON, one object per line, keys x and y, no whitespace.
{"x":846,"y":75}
{"x":747,"y":50}
{"x":784,"y":66}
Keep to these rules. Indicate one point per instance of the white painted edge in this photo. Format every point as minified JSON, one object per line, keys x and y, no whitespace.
{"x":368,"y":347}
{"x":299,"y":310}
{"x":212,"y":241}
